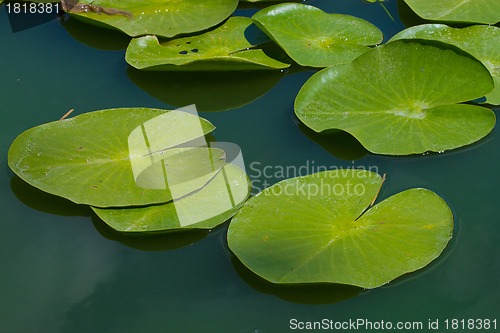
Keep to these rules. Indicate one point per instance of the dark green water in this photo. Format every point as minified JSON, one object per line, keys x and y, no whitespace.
{"x":63,"y":270}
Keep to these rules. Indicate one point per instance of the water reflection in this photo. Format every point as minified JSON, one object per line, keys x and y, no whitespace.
{"x":263,"y":4}
{"x":219,"y":91}
{"x":409,"y":18}
{"x":301,"y":293}
{"x":152,"y":241}
{"x":95,"y":37}
{"x":45,"y":202}
{"x":338,"y":143}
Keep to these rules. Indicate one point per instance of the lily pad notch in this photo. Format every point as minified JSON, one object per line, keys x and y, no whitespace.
{"x":401,"y":98}
{"x":320,"y":228}
{"x":314,"y":38}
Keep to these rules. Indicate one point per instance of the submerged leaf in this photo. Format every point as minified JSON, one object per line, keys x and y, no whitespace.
{"x":481,"y":41}
{"x":111,"y":157}
{"x":312,"y":229}
{"x":480,"y":11}
{"x":212,"y":205}
{"x":223,"y":49}
{"x":399,"y":99}
{"x":158,"y":17}
{"x":312,"y":37}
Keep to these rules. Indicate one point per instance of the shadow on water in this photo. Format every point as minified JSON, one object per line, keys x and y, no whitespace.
{"x":338,"y":143}
{"x":45,"y":202}
{"x":94,"y":36}
{"x":409,"y":18}
{"x":210,"y":91}
{"x":264,"y":4}
{"x":151,"y":241}
{"x":324,"y":293}
{"x":51,"y":204}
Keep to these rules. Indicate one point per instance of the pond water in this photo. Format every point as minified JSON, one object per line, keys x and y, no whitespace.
{"x":64,"y":270}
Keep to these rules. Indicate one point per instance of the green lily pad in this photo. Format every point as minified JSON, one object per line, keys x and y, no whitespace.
{"x":481,"y":41}
{"x":479,"y":11}
{"x":212,"y":205}
{"x":399,"y":99}
{"x":312,"y":37}
{"x":314,"y":229}
{"x":98,"y":158}
{"x":158,"y":17}
{"x":222,"y":49}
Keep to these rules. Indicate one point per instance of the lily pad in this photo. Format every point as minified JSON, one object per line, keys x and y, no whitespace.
{"x":97,"y":158}
{"x":479,"y":11}
{"x":222,"y":49}
{"x":312,"y":37}
{"x":481,"y":41}
{"x":158,"y":17}
{"x":314,"y":229}
{"x":212,"y":205}
{"x":399,"y":99}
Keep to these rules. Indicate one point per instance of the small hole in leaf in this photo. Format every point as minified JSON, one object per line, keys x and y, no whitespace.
{"x":178,"y":45}
{"x":183,"y":52}
{"x":188,"y":42}
{"x":194,"y":50}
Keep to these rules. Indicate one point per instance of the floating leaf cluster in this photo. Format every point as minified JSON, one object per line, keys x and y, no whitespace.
{"x":142,"y":168}
{"x":376,"y":94}
{"x":417,"y":93}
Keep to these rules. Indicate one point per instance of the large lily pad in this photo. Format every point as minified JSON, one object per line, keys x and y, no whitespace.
{"x":481,"y":41}
{"x":312,"y":229}
{"x":399,"y":99}
{"x":158,"y":17}
{"x":225,"y":48}
{"x":312,"y":37}
{"x":212,"y":205}
{"x":108,"y":157}
{"x":480,"y":11}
